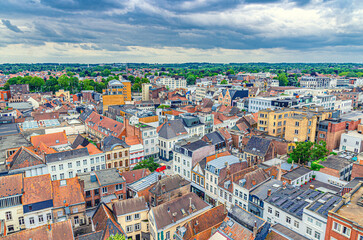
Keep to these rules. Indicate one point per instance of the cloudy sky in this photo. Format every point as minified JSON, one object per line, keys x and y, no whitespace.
{"x":159,"y":31}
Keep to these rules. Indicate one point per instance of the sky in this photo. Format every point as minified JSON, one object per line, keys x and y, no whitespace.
{"x":160,"y":31}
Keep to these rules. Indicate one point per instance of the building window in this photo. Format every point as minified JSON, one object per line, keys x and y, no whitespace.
{"x":8,"y":216}
{"x":21,"y":220}
{"x":60,"y":166}
{"x":41,"y":218}
{"x":119,"y":187}
{"x":104,"y":190}
{"x":277,"y":214}
{"x":317,"y":235}
{"x":137,"y":227}
{"x":318,"y":223}
{"x":296,"y":131}
{"x":61,"y":176}
{"x":70,"y":174}
{"x":296,"y":224}
{"x":129,"y":228}
{"x":167,"y":235}
{"x":49,"y":216}
{"x":11,"y":228}
{"x":137,"y":216}
{"x":84,"y":162}
{"x":128,"y":218}
{"x":308,"y":231}
{"x":70,"y":165}
{"x":288,"y":220}
{"x":346,"y":231}
{"x":53,"y":169}
{"x":31,"y":221}
{"x":76,"y":220}
{"x":269,"y":209}
{"x":310,"y":220}
{"x":78,"y":163}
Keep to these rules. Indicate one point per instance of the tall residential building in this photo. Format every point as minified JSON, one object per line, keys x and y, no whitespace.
{"x":291,"y":124}
{"x":116,"y":93}
{"x":317,"y":82}
{"x":172,"y":83}
{"x":146,"y":91}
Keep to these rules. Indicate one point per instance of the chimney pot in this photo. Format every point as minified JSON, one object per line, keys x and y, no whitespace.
{"x":269,"y":192}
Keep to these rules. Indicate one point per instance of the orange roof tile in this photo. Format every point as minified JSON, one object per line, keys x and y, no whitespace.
{"x":55,"y":231}
{"x":11,"y":185}
{"x":134,"y":140}
{"x":222,"y":154}
{"x":37,"y":189}
{"x":51,"y":139}
{"x":70,"y":192}
{"x":92,"y":149}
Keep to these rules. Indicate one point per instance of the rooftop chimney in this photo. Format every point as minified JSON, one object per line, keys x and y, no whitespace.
{"x":268,"y":192}
{"x":284,"y":185}
{"x":255,"y":230}
{"x":311,"y":187}
{"x":174,"y":216}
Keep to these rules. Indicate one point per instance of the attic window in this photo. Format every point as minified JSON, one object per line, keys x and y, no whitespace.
{"x":63,"y":183}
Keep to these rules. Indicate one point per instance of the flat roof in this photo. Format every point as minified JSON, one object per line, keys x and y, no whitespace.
{"x":352,"y":210}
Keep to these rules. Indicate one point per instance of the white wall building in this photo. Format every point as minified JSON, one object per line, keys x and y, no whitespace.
{"x":172,"y":83}
{"x":351,"y":141}
{"x":327,"y":101}
{"x":67,"y":164}
{"x":317,"y":82}
{"x":259,"y":103}
{"x":344,"y":106}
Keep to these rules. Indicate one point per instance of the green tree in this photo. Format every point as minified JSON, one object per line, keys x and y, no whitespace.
{"x":230,"y":72}
{"x":131,"y":78}
{"x":36,"y":83}
{"x":190,"y":80}
{"x":319,"y":151}
{"x":224,"y":81}
{"x":283,"y":81}
{"x":147,"y":163}
{"x":117,"y":237}
{"x":301,"y":154}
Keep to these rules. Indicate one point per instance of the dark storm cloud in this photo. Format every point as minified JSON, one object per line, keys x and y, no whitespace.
{"x":11,"y":26}
{"x":115,"y":25}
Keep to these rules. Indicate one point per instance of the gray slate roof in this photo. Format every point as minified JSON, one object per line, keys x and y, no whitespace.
{"x":257,"y":146}
{"x":171,"y":183}
{"x":296,"y":173}
{"x":109,"y":176}
{"x":215,"y":137}
{"x":11,"y":141}
{"x":70,"y":154}
{"x":172,"y":129}
{"x":130,"y":205}
{"x":110,"y":142}
{"x":80,"y":140}
{"x":245,"y":218}
{"x":261,"y":191}
{"x":335,"y":162}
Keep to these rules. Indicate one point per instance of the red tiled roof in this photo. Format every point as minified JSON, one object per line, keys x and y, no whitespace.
{"x":134,"y":140}
{"x":70,"y":193}
{"x":134,"y":175}
{"x":98,"y":123}
{"x":11,"y":185}
{"x":100,"y":221}
{"x":55,"y":231}
{"x":51,"y":139}
{"x":37,"y":189}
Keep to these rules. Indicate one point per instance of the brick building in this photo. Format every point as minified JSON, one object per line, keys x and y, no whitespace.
{"x":331,"y":130}
{"x":345,"y":219}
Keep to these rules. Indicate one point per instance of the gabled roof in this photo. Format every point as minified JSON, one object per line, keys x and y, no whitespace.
{"x":257,"y":146}
{"x":203,"y":224}
{"x":135,"y":175}
{"x":37,"y":189}
{"x":104,"y":125}
{"x":163,"y":214}
{"x":132,"y":140}
{"x":296,"y":173}
{"x":68,"y":194}
{"x":108,"y":143}
{"x":130,"y":205}
{"x":11,"y":185}
{"x":56,"y":231}
{"x":66,"y":155}
{"x":80,"y":140}
{"x":215,"y":137}
{"x":172,"y":129}
{"x":51,"y":139}
{"x":168,"y":184}
{"x":104,"y":220}
{"x":24,"y":158}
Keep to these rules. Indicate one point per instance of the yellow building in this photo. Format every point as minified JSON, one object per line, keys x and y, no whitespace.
{"x":166,"y":218}
{"x":117,"y":153}
{"x":292,"y":124}
{"x":11,"y":208}
{"x":116,"y":93}
{"x":132,"y":215}
{"x":65,"y":94}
